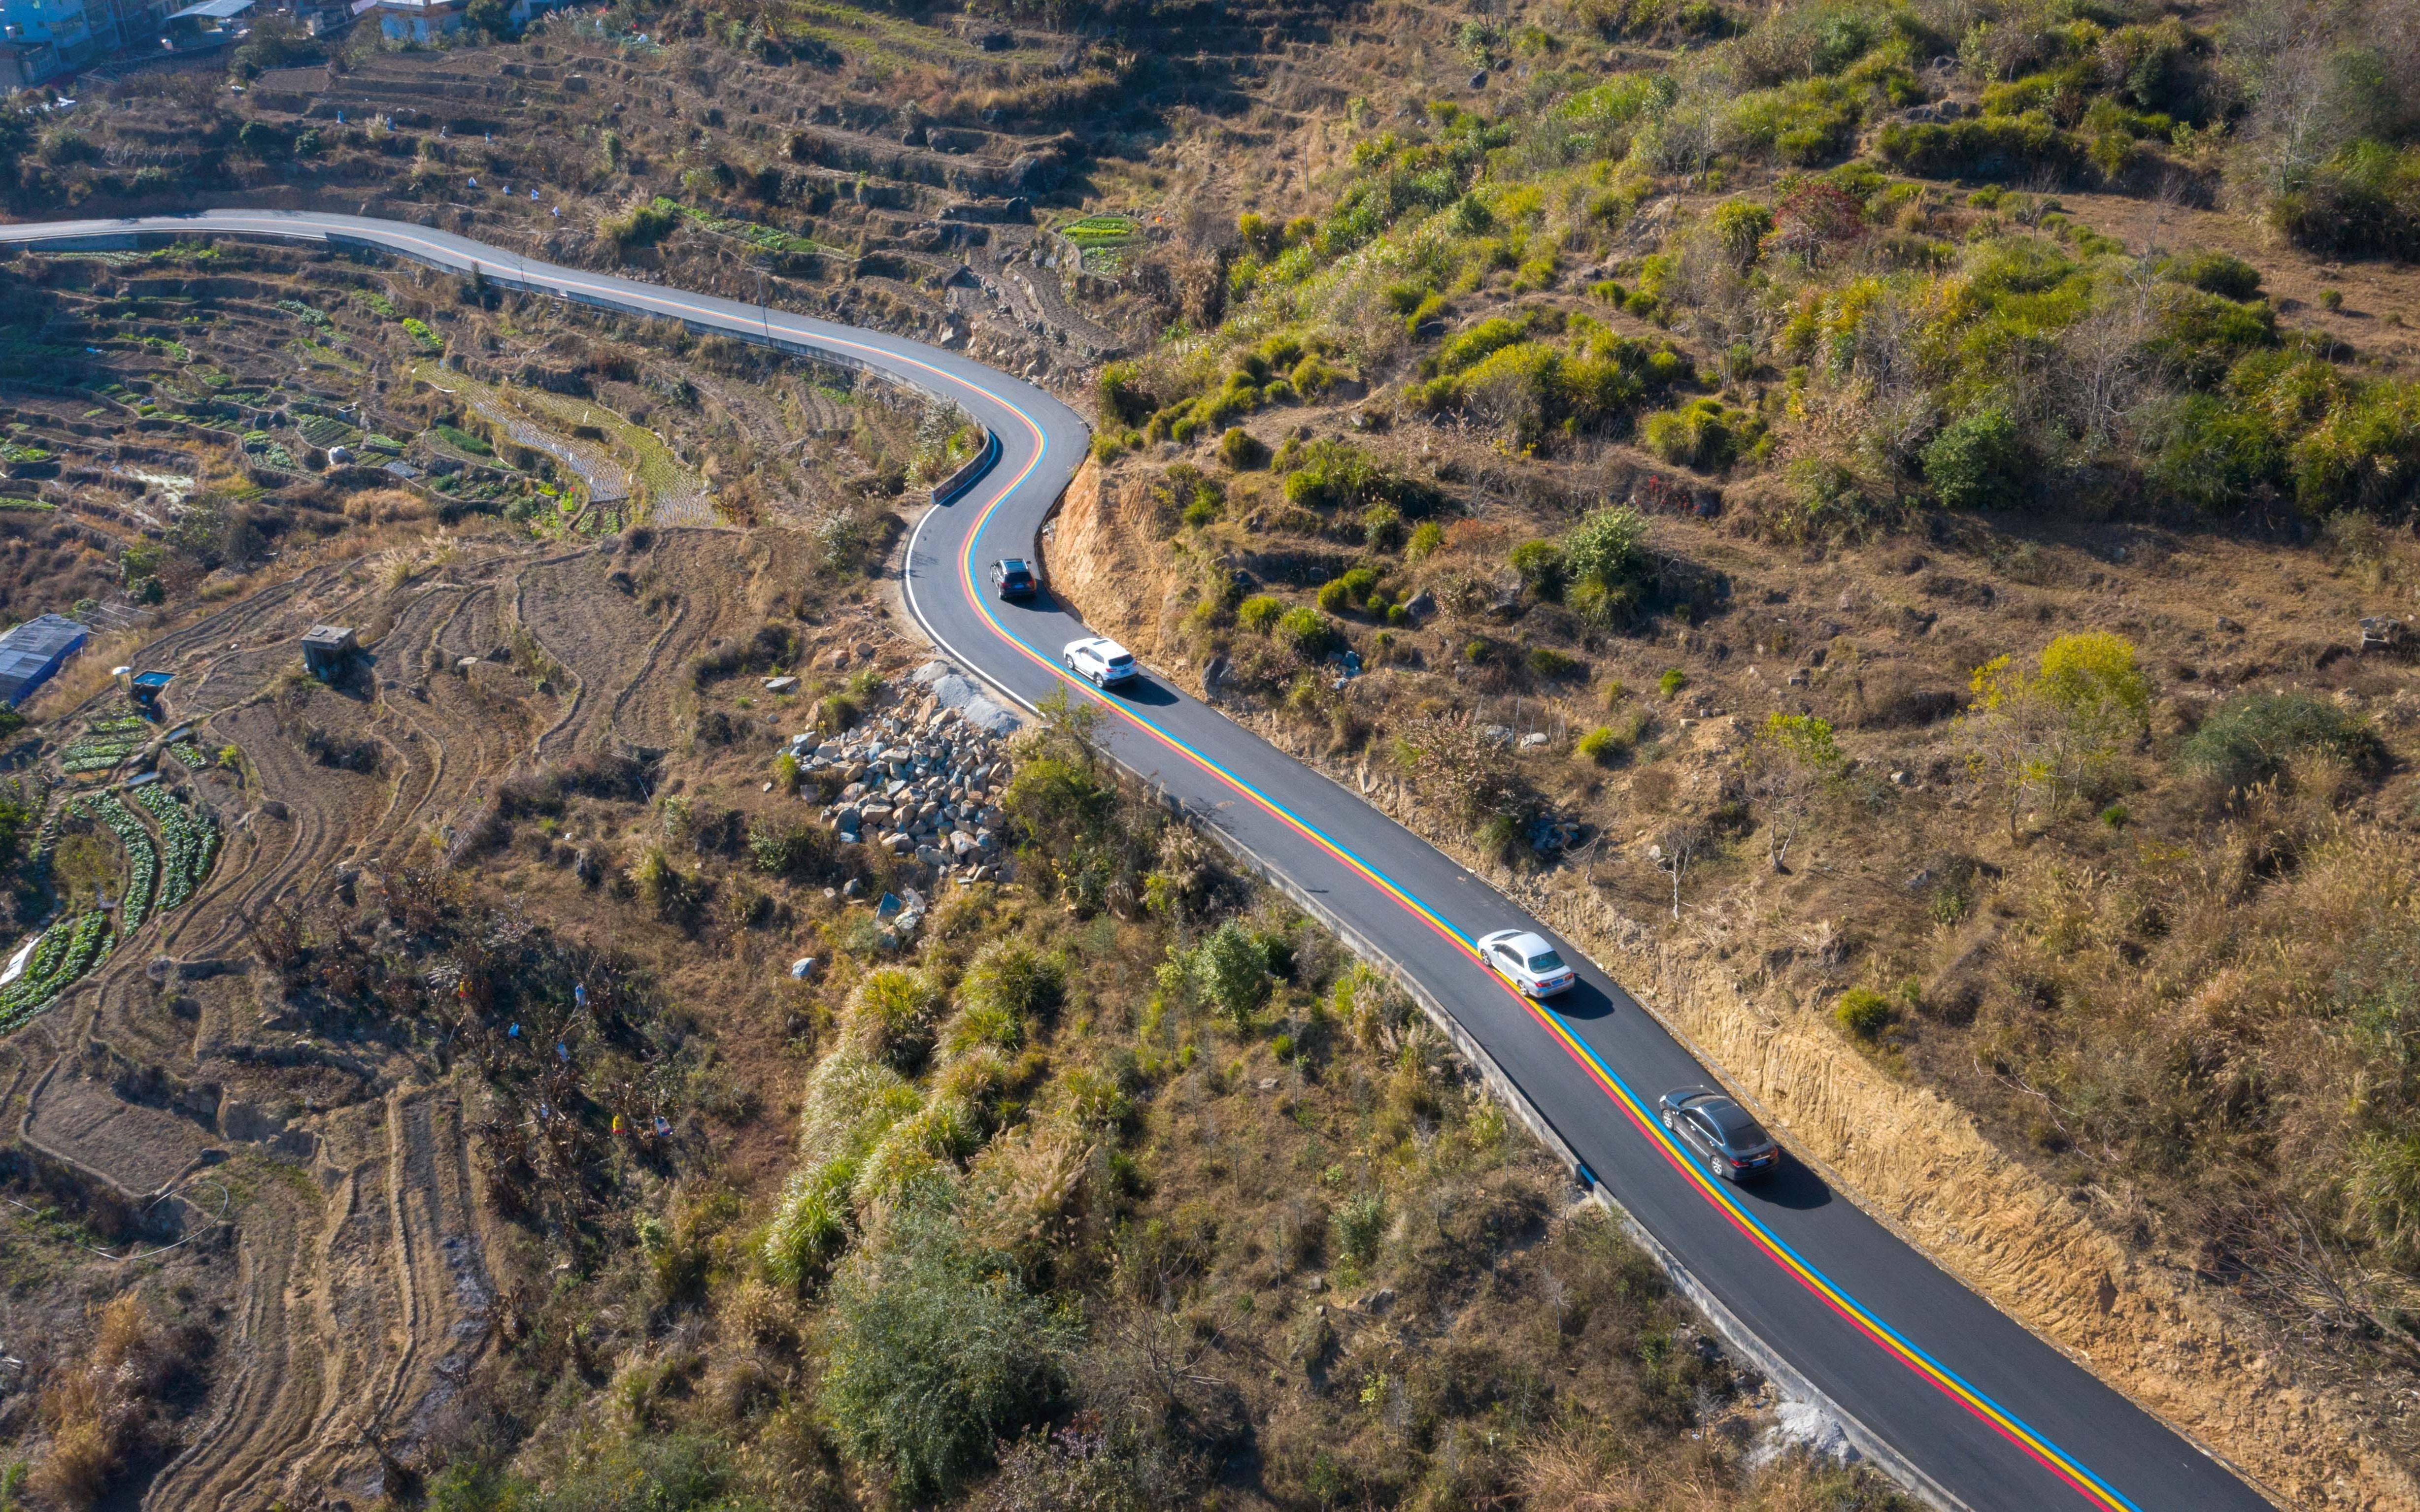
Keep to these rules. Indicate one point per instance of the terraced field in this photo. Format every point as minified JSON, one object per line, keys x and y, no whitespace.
{"x":361,"y":1296}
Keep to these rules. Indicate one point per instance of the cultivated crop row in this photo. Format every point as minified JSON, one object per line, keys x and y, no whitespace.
{"x":142,"y":858}
{"x":65,"y":953}
{"x":98,"y":753}
{"x":192,"y":836}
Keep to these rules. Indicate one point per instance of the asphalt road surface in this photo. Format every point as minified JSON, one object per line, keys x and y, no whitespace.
{"x":1985,"y":1414}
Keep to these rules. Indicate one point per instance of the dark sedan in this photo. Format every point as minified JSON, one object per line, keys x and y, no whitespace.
{"x":1013,"y":577}
{"x":1720,"y":1133}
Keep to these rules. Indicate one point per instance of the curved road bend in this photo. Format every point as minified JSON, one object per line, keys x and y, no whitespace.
{"x":1992,"y":1417}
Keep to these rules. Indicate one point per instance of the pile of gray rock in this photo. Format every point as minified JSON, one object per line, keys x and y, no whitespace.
{"x":924,"y":783}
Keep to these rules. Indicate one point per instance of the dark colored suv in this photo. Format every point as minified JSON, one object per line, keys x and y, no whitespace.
{"x":1722,"y":1134}
{"x":1014,"y":577}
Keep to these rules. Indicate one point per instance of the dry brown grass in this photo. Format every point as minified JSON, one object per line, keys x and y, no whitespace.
{"x":100,"y":1411}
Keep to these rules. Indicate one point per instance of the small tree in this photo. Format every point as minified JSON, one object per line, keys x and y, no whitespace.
{"x":1792,"y":764}
{"x":2055,"y":728}
{"x":2007,"y":736}
{"x":1675,"y":851}
{"x":1604,"y":558}
{"x":1230,"y":970}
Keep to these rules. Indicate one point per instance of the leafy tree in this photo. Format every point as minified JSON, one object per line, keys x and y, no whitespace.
{"x":276,"y":41}
{"x":1230,"y":970}
{"x":493,"y":17}
{"x":937,"y":1354}
{"x":16,"y":141}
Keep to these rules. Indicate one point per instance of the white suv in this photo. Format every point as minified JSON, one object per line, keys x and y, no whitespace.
{"x":1101,"y":659}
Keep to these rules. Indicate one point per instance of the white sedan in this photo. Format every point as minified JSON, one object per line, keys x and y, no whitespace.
{"x":1525,"y":961}
{"x":1102,"y":660}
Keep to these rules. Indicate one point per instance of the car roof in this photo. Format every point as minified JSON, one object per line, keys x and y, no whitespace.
{"x":1725,"y":1110}
{"x":1529,"y":942}
{"x":1100,"y":644}
{"x":1013,"y":563}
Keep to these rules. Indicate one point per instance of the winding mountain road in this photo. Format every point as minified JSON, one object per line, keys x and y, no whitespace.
{"x":1972,"y":1408}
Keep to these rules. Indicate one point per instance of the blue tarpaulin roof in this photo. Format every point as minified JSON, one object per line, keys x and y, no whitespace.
{"x":31,"y":652}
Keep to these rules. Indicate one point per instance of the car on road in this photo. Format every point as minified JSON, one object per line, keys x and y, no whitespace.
{"x":1722,"y":1135}
{"x":1013,"y":577}
{"x":1102,"y":660}
{"x":1524,"y":958}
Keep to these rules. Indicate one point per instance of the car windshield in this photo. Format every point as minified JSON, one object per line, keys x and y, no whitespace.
{"x":1740,"y":1131}
{"x":1012,"y":566}
{"x":1548,"y":961}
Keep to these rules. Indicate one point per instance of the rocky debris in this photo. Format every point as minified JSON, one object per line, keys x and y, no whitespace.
{"x":1806,"y":1428}
{"x":2381,"y":632}
{"x":955,"y":690}
{"x":926,"y":781}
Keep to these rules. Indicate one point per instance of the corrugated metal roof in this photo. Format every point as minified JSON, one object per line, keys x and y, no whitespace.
{"x":31,"y":650}
{"x":44,"y":635}
{"x":214,"y":9}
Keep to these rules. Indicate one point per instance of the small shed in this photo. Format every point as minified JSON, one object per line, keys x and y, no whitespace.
{"x":32,"y":652}
{"x":326,"y":648}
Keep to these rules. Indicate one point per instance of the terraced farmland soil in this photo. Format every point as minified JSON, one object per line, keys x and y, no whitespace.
{"x":363,"y":1292}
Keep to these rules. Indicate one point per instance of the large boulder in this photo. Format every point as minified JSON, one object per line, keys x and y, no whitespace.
{"x":955,"y":690}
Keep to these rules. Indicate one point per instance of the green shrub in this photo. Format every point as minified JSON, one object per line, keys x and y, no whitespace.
{"x":1360,"y":1227}
{"x":2250,"y":739}
{"x":1863,"y":1012}
{"x":1545,"y":661}
{"x":1602,"y":746}
{"x":1810,"y":121}
{"x":1335,"y":474}
{"x":2213,"y":455}
{"x":1312,"y":634}
{"x":641,"y":224}
{"x":1122,"y":399}
{"x":2363,"y":202}
{"x":1705,"y":434}
{"x":1382,"y":527}
{"x":1240,"y":449}
{"x":2215,"y":273}
{"x":1673,"y":680}
{"x":1978,"y":462}
{"x":1540,"y":566}
{"x":1013,"y":978}
{"x":891,"y":1016}
{"x":1989,"y":147}
{"x":1426,"y":538}
{"x":1259,"y":612}
{"x":937,"y":1354}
